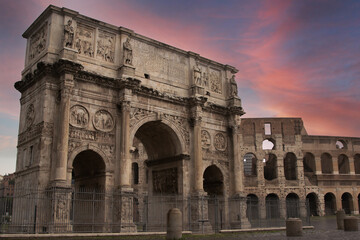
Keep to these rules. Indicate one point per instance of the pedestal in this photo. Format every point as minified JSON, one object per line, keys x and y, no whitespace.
{"x":238,"y":218}
{"x":68,"y":54}
{"x":60,"y":209}
{"x":126,"y":70}
{"x":200,"y":213}
{"x":123,"y":201}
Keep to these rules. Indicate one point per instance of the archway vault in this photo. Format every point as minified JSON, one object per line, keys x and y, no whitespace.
{"x":178,"y":136}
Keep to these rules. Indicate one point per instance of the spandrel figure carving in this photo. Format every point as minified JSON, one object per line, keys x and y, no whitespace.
{"x":68,"y":34}
{"x":127,"y":52}
{"x":233,"y":86}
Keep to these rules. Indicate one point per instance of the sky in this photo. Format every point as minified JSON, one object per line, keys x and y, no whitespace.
{"x":295,"y":58}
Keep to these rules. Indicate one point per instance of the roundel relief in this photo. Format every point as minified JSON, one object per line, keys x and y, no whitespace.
{"x":205,"y":139}
{"x":220,"y":142}
{"x":30,"y":115}
{"x":79,"y":116}
{"x":103,"y":121}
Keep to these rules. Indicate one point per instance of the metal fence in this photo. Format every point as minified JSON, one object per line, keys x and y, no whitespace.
{"x":95,"y":211}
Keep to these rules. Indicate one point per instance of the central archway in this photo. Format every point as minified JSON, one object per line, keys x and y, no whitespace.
{"x":162,"y":148}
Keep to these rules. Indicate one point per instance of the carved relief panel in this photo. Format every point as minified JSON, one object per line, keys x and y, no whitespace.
{"x":215,"y":81}
{"x":205,"y":139}
{"x":38,"y":41}
{"x":103,"y":121}
{"x":220,"y":142}
{"x":165,"y":181}
{"x":30,"y":116}
{"x":105,"y":46}
{"x":85,"y":40}
{"x":79,"y":116}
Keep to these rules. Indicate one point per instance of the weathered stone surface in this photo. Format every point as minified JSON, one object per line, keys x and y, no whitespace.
{"x":105,"y":108}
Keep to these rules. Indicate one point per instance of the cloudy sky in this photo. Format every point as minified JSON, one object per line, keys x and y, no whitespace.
{"x":295,"y":58}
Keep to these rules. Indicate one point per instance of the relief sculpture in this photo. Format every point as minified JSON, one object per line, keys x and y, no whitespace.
{"x":106,"y":47}
{"x":220,"y":142}
{"x":103,"y":121}
{"x":205,"y":139}
{"x":38,"y":42}
{"x":233,"y":87}
{"x":215,"y":82}
{"x":128,"y":55}
{"x":197,"y":74}
{"x":79,"y":116}
{"x":30,"y":115}
{"x":68,"y":34}
{"x":165,"y":181}
{"x":84,"y":41}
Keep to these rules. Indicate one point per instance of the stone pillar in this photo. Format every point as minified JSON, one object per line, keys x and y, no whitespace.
{"x":125,"y":161}
{"x":293,"y":227}
{"x":67,"y":82}
{"x":196,"y":119}
{"x":318,"y":165}
{"x":238,"y":162}
{"x":335,"y":165}
{"x":174,"y":224}
{"x":352,"y":165}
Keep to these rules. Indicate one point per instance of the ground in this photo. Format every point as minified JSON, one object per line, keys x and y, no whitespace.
{"x":325,"y":228}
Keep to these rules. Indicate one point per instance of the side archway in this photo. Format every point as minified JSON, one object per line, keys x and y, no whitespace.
{"x":213,"y":181}
{"x":330,"y":203}
{"x":313,"y":202}
{"x":347,"y":203}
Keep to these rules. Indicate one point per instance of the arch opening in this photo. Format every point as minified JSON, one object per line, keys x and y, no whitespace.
{"x":330,"y":204}
{"x":213,"y":181}
{"x":326,"y":163}
{"x":343,"y":163}
{"x":313,"y":202}
{"x":357,"y":163}
{"x":309,"y":163}
{"x":250,"y":165}
{"x":270,"y":167}
{"x":252,"y":207}
{"x":290,"y":166}
{"x":272,"y":206}
{"x":88,"y":179}
{"x":347,"y":203}
{"x":88,"y":173}
{"x":292,"y":206}
{"x":157,"y":156}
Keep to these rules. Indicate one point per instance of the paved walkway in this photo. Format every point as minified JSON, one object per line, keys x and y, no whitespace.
{"x":325,"y":228}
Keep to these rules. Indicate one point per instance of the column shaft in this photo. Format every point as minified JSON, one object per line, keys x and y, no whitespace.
{"x":125,"y":161}
{"x":63,"y":135}
{"x":238,"y":171}
{"x":198,"y":175}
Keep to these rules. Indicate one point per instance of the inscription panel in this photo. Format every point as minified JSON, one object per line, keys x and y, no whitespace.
{"x":159,"y":62}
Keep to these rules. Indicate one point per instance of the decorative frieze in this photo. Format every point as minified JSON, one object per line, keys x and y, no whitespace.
{"x":42,"y":129}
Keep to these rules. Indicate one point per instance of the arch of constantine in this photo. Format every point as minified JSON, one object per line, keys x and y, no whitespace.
{"x":122,"y":118}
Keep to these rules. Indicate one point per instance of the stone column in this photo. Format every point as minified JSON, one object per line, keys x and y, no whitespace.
{"x":196,"y":119}
{"x":335,"y":165}
{"x":63,"y":128}
{"x":318,"y":165}
{"x":125,"y":161}
{"x":352,"y":165}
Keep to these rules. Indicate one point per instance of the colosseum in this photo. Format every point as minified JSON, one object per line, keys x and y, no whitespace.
{"x":117,"y":128}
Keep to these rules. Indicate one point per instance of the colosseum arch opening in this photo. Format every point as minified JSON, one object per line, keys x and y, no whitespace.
{"x":330,"y":204}
{"x":326,"y":163}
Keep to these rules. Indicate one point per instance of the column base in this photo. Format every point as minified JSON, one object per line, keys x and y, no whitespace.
{"x":123,"y":210}
{"x":200,"y":222}
{"x":238,"y":218}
